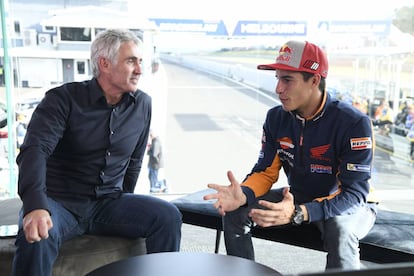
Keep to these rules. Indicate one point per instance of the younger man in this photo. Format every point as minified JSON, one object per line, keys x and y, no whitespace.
{"x":324,"y":146}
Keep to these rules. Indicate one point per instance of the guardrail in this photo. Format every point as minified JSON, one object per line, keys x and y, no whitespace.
{"x":265,"y":81}
{"x":262,"y":80}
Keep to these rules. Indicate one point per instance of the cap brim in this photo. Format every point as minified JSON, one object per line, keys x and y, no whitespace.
{"x":266,"y":66}
{"x":276,"y":66}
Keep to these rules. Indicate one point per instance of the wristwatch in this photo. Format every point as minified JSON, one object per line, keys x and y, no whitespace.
{"x":298,"y":216}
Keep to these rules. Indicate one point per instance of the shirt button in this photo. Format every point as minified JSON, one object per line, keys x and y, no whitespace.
{"x":108,"y":153}
{"x":102,"y":173}
{"x":112,"y":132}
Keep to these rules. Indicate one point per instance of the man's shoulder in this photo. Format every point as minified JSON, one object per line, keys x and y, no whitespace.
{"x":71,"y":87}
{"x":84,"y":94}
{"x":74,"y":84}
{"x":142,"y":95}
{"x":347,"y":110}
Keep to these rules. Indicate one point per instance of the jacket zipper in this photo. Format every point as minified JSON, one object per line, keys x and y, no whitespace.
{"x":301,"y":140}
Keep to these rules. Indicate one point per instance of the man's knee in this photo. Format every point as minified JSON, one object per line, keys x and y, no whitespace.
{"x":237,"y":221}
{"x":170,"y":215}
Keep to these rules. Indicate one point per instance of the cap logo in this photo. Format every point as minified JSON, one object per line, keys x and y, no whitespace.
{"x":285,"y":53}
{"x":312,"y":65}
{"x":285,"y":49}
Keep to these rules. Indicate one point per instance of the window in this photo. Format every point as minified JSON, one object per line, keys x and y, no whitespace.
{"x":80,"y":65}
{"x":75,"y":34}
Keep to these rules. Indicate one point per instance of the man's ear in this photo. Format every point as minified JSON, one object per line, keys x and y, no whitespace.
{"x":103,"y":64}
{"x":316,"y":79}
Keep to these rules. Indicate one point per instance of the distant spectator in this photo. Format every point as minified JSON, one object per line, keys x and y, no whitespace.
{"x":409,"y":120}
{"x":21,"y":128}
{"x":410,"y":137}
{"x":383,"y":114}
{"x":155,"y":163}
{"x":360,"y":104}
{"x":400,"y":121}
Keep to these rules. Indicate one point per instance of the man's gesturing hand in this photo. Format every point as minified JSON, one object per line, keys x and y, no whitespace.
{"x":274,"y":213}
{"x":229,"y":198}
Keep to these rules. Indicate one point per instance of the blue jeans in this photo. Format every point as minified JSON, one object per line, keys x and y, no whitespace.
{"x":340,"y":234}
{"x":130,"y":216}
{"x":155,"y":184}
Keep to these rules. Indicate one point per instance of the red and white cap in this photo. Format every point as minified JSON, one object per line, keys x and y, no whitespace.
{"x":301,"y":56}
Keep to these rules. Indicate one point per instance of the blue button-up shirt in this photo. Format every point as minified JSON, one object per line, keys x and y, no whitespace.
{"x":78,"y":148}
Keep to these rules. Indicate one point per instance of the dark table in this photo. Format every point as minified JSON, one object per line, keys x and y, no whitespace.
{"x":182,"y":264}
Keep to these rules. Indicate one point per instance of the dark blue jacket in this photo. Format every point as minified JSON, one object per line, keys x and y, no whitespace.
{"x":327,"y":158}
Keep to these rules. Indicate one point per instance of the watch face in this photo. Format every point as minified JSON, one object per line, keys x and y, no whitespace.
{"x":298,"y":218}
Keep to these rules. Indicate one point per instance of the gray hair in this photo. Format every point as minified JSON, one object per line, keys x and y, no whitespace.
{"x":107,"y":44}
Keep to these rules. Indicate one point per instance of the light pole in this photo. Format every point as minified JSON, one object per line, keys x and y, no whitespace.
{"x":10,"y":106}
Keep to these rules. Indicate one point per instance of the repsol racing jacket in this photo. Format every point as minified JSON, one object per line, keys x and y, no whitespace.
{"x":327,"y":158}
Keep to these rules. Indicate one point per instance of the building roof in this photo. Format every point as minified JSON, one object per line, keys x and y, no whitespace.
{"x":97,"y":17}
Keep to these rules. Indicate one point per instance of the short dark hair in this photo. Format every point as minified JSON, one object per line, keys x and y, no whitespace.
{"x":307,"y":76}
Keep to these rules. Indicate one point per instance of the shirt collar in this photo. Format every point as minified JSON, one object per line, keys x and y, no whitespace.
{"x":319,"y":112}
{"x":97,"y":93}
